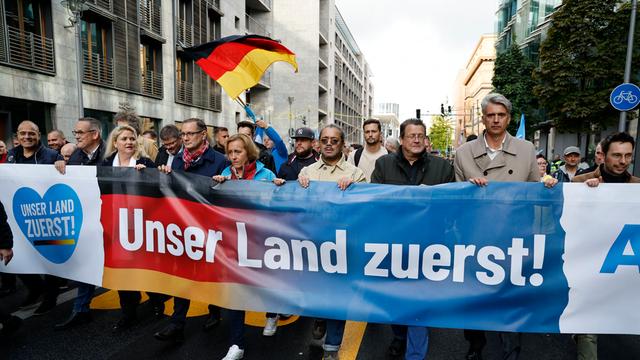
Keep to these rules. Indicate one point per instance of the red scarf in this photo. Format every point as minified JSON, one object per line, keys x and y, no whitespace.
{"x":3,"y":158}
{"x":189,"y":157}
{"x":248,"y":172}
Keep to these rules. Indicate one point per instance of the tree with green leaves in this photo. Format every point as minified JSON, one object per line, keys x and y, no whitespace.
{"x":581,"y":61}
{"x":513,"y":78}
{"x":440,"y":133}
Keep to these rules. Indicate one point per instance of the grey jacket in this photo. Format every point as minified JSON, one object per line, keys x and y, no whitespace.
{"x":516,"y":162}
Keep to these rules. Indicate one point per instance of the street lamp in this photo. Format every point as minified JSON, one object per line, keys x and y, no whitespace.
{"x":75,"y":8}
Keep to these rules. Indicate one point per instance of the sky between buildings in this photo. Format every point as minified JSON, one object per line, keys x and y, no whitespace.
{"x":416,"y":47}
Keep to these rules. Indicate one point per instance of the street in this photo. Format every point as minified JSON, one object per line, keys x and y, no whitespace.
{"x":37,"y":338}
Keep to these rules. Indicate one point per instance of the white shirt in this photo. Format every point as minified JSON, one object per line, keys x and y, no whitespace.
{"x":116,"y":162}
{"x":492,"y":153}
{"x":367,"y":161}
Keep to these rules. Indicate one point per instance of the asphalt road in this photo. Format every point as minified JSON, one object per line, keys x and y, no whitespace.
{"x":37,"y":338}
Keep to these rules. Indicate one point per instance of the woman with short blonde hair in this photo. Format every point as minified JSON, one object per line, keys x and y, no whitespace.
{"x":113,"y":138}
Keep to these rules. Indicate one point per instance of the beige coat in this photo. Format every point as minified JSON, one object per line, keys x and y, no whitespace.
{"x":516,"y":162}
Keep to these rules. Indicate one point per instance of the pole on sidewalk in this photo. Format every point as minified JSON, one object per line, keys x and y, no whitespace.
{"x":627,"y":69}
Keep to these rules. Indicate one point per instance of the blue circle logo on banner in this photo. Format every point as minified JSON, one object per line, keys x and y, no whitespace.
{"x":625,"y":97}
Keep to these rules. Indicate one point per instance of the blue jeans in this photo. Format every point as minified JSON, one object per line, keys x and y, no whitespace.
{"x":83,"y":299}
{"x":417,"y":343}
{"x":335,"y":330}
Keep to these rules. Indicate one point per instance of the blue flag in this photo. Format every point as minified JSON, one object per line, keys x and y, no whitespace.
{"x":521,"y":133}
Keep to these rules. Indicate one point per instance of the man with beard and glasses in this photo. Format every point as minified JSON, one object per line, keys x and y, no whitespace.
{"x":617,"y":153}
{"x":303,"y":154}
{"x":365,"y":157}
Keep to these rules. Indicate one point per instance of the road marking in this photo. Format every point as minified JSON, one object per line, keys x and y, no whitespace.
{"x":351,"y":340}
{"x":28,"y":312}
{"x":110,"y":301}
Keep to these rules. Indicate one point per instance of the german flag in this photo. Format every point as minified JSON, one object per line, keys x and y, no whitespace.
{"x":238,"y":62}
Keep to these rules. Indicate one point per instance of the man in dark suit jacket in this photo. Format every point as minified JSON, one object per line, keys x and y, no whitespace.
{"x":171,"y":145}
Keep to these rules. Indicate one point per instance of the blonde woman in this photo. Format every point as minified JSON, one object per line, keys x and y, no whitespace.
{"x":124,"y":150}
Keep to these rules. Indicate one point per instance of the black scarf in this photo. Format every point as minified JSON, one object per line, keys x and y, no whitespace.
{"x":611,"y":178}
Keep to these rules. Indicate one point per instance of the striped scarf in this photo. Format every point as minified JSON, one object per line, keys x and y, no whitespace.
{"x":190,"y":157}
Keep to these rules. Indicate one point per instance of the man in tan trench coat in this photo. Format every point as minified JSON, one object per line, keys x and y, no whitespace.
{"x":496,"y":156}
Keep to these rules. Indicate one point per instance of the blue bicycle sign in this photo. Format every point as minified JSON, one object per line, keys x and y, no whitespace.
{"x":625,"y":97}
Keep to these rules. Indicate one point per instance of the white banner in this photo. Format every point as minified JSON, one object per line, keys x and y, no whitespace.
{"x":55,"y":220}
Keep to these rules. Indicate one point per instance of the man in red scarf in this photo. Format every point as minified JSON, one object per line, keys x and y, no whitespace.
{"x":196,"y":157}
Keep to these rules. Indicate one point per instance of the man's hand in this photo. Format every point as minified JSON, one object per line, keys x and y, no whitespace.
{"x":140,"y":166}
{"x":60,"y":165}
{"x":6,"y":255}
{"x":550,"y":182}
{"x":594,"y":182}
{"x":219,"y":178}
{"x":344,"y":183}
{"x":480,"y":181}
{"x":262,"y":124}
{"x":304,"y":181}
{"x":279,"y":181}
{"x":164,"y":169}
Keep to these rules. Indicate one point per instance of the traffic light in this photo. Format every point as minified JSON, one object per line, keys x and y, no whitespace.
{"x":417,"y":113}
{"x":442,"y":109}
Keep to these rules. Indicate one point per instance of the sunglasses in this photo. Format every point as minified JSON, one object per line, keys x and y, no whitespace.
{"x":333,"y":141}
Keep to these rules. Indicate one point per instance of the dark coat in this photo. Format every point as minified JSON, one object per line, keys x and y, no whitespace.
{"x":219,"y":149}
{"x":209,"y":164}
{"x":108,"y":161}
{"x":162,"y":157}
{"x":394,"y":169}
{"x":266,"y":158}
{"x":290,"y":169}
{"x":597,"y":174}
{"x":43,"y":155}
{"x":6,"y":237}
{"x":79,"y":157}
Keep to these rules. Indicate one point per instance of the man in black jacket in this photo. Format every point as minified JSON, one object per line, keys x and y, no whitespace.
{"x":90,"y":152}
{"x":303,"y":154}
{"x":248,"y":128}
{"x":171,"y":145}
{"x":31,"y":151}
{"x":411,"y":165}
{"x":9,"y":322}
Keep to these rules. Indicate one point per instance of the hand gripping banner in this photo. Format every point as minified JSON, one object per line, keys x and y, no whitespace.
{"x":509,"y":256}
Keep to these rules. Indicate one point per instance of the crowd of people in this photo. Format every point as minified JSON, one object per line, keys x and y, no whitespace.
{"x":494,"y":156}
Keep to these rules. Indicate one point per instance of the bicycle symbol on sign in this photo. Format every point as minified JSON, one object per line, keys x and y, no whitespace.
{"x":626,"y":96}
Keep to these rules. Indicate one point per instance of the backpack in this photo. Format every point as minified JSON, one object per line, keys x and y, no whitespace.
{"x":357,"y":156}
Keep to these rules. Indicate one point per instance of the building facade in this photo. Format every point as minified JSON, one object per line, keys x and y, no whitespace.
{"x":389,"y":116}
{"x":472,"y":85}
{"x":132,"y":54}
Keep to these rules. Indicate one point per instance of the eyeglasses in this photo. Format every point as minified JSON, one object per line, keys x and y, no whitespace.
{"x":81,"y":132}
{"x":190,"y":133}
{"x":333,"y":141}
{"x":27,"y":133}
{"x":415,"y":137}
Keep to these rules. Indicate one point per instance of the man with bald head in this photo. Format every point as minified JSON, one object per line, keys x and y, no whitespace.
{"x":67,"y":150}
{"x":31,"y":151}
{"x":56,"y":140}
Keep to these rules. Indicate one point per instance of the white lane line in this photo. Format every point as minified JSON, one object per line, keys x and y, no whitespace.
{"x":62,"y":298}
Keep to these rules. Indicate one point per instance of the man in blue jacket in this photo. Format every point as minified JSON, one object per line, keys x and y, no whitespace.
{"x":196,"y":157}
{"x":90,"y":152}
{"x":274,"y":143}
{"x":31,"y":151}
